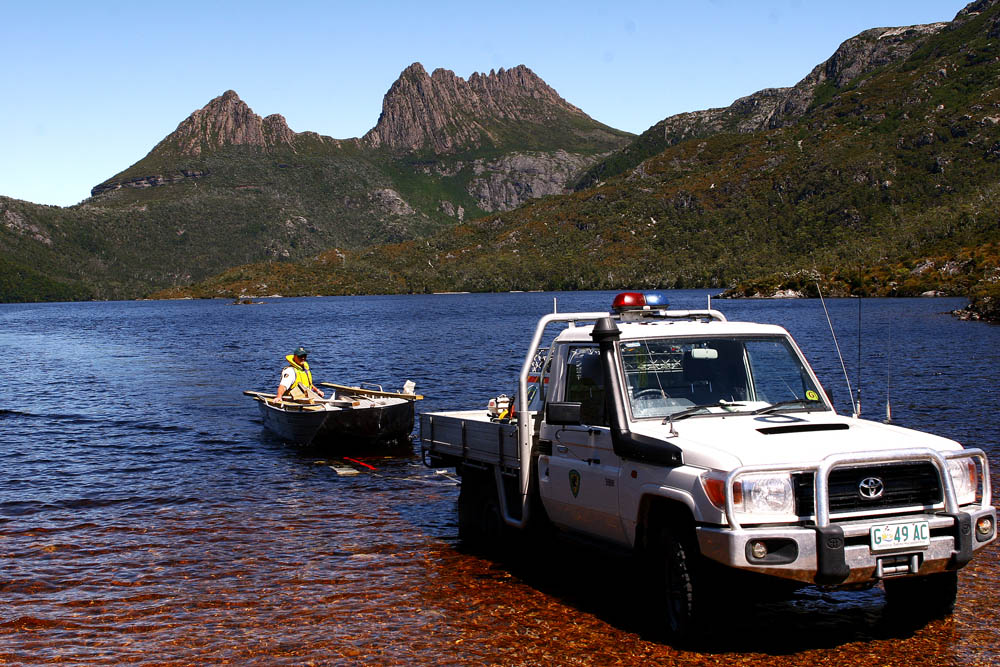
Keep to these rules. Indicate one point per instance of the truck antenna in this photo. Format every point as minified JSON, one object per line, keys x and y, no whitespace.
{"x":888,"y":363}
{"x":857,"y":404}
{"x":850,"y":391}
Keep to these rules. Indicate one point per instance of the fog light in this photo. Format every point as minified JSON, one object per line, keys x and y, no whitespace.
{"x":984,"y":527}
{"x":758,"y":550}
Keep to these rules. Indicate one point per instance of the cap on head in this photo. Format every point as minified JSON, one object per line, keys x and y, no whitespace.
{"x":300,"y":352}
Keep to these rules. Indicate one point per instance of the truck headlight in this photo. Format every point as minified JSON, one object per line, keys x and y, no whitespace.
{"x":757,"y":493}
{"x":767,"y":494}
{"x":965,"y":479}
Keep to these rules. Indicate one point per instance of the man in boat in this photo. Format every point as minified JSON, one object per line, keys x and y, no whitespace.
{"x":296,"y":379}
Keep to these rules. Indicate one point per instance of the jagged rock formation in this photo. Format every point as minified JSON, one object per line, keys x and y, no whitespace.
{"x":443,"y":113}
{"x":227,"y":121}
{"x":551,"y":141}
{"x":440,"y":113}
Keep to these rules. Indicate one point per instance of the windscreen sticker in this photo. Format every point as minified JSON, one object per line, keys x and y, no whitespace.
{"x":812,"y":395}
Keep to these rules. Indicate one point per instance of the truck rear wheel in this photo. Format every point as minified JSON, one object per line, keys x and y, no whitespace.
{"x":928,"y":597}
{"x":480,"y":522}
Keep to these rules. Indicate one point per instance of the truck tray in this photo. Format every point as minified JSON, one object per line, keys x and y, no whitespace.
{"x":470,"y":435}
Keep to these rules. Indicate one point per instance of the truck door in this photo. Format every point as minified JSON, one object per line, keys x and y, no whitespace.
{"x":579,"y":484}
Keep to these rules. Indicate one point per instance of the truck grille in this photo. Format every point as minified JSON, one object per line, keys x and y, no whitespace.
{"x":903,"y":484}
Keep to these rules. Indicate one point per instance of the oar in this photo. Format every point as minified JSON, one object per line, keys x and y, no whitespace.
{"x":256,"y":394}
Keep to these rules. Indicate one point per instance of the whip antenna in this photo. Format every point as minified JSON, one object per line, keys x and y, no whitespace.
{"x":888,"y":364}
{"x":857,"y":404}
{"x":850,"y":391}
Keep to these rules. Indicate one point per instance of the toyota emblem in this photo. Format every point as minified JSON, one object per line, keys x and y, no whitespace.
{"x":871,"y":488}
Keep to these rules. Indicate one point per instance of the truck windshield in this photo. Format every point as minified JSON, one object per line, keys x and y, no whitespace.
{"x":738,"y":374}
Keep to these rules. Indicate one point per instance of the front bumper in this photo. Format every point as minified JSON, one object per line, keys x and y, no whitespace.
{"x":840,"y":553}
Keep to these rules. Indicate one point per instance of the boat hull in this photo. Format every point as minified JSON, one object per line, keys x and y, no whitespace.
{"x":384,"y":424}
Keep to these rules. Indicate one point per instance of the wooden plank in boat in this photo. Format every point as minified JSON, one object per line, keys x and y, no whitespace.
{"x":270,"y":398}
{"x":371,"y":392}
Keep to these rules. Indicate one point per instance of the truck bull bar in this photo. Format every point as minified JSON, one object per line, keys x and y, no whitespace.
{"x":822,"y":473}
{"x":832,"y":567}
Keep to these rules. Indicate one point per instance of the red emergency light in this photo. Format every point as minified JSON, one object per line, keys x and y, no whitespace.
{"x":638,"y":301}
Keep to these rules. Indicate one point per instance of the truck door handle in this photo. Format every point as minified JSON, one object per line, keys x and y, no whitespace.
{"x":562,"y":449}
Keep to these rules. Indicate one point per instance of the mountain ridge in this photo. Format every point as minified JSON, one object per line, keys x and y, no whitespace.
{"x":228,"y":186}
{"x":893,"y":164}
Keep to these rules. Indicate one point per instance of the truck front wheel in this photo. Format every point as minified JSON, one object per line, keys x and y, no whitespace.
{"x":928,"y":597}
{"x":680,"y":590}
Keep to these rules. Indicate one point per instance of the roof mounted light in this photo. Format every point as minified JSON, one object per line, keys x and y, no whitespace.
{"x":656,"y":299}
{"x":639,"y":301}
{"x":628,"y":301}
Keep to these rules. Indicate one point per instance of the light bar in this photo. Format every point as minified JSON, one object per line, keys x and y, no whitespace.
{"x":626,"y":301}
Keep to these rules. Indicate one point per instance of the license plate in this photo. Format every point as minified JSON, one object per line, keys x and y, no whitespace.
{"x":899,"y":535}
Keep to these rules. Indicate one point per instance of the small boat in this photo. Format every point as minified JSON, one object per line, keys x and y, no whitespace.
{"x":355,"y":417}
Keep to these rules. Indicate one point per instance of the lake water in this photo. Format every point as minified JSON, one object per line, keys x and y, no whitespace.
{"x":146,"y":517}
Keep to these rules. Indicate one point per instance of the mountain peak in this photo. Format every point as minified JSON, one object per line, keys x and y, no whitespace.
{"x":227,"y":121}
{"x":444,"y":112}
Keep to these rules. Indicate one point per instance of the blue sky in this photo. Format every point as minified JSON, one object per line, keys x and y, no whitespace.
{"x":89,"y":88}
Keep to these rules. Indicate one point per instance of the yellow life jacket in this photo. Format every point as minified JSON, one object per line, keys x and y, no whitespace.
{"x":303,"y":378}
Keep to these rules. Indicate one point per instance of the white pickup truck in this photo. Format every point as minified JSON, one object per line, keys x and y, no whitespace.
{"x":709,"y":448}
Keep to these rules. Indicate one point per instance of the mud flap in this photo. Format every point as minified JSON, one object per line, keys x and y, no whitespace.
{"x":831,"y":565}
{"x":963,"y":540}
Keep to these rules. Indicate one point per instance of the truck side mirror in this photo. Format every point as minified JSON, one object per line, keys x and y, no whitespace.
{"x":563,"y":413}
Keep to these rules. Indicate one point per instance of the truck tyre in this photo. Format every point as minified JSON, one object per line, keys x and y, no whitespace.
{"x":924,"y":598}
{"x":681,"y":589}
{"x":480,"y":523}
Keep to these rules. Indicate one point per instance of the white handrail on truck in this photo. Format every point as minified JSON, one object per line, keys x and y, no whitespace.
{"x":525,"y":422}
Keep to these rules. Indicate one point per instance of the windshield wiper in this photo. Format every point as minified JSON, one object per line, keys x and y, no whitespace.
{"x":782,"y":404}
{"x":687,"y":412}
